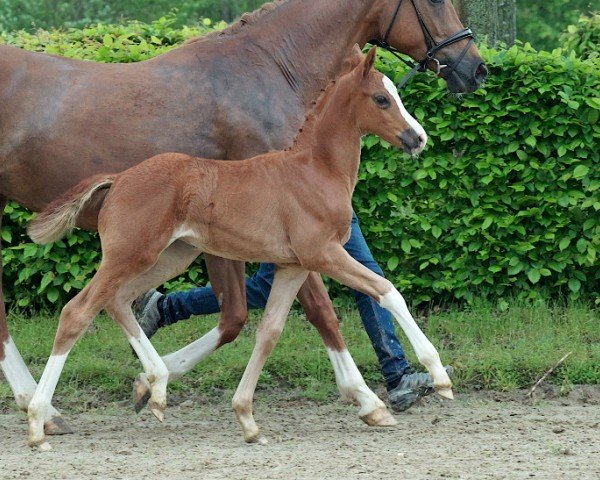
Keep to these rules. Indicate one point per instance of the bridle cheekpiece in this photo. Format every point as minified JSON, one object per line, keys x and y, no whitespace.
{"x":433,"y":47}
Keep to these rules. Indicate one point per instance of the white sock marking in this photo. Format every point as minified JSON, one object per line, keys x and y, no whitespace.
{"x":40,"y":403}
{"x":18,"y":376}
{"x":426,"y":352}
{"x":182,"y":361}
{"x":351,"y":383}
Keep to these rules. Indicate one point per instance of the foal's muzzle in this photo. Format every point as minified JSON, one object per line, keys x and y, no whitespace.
{"x":412,"y":142}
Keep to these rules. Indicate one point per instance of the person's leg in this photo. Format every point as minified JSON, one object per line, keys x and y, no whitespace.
{"x":155,"y":310}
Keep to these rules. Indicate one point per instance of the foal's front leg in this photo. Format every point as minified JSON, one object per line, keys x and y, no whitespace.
{"x":339,"y":265}
{"x":286,"y":284}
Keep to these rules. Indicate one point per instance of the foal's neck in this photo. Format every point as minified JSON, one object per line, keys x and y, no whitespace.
{"x":332,"y":134}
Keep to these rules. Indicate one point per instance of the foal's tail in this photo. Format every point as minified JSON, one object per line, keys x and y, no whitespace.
{"x":60,"y":216}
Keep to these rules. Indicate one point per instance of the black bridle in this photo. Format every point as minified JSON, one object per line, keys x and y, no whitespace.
{"x":433,"y":47}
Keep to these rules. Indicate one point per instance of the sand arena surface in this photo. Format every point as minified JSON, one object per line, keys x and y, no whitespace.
{"x":478,"y":436}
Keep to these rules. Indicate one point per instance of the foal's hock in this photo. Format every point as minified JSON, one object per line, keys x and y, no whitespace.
{"x":292,"y":208}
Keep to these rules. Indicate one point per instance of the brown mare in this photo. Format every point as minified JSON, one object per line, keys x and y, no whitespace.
{"x":228,"y":95}
{"x":292,"y":208}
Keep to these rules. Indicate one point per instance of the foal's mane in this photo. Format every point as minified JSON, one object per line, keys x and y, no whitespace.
{"x":249,"y":18}
{"x":305,"y":132}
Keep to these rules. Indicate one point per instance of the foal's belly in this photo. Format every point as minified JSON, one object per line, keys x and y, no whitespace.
{"x":255,"y":246}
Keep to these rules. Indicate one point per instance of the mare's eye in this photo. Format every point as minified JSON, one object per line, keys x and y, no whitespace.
{"x":381,"y":100}
{"x":437,"y":1}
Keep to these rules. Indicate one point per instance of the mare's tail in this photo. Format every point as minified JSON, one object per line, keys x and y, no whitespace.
{"x":60,"y":216}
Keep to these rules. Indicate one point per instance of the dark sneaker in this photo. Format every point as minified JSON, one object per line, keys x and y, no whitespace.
{"x":412,"y":387}
{"x":146,"y":312}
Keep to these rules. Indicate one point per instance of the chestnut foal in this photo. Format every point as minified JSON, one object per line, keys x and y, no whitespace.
{"x":292,"y":208}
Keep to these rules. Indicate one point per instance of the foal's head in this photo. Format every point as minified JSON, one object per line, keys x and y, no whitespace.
{"x":379,"y":109}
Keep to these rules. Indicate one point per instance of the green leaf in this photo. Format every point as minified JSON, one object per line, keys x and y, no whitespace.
{"x":46,"y":279}
{"x":419,"y":174}
{"x":534,"y":275}
{"x":574,"y":285}
{"x":436,"y":231}
{"x":564,"y":243}
{"x":581,"y":171}
{"x":52,"y":294}
{"x":393,"y":263}
{"x":487,"y":222}
{"x":405,"y":244}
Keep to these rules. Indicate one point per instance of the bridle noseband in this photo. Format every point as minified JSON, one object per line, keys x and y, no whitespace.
{"x":433,"y":47}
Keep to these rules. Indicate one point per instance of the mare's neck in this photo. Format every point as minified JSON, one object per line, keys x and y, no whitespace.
{"x":309,"y":41}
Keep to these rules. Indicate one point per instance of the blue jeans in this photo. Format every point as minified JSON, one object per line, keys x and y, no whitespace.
{"x":377,"y":321}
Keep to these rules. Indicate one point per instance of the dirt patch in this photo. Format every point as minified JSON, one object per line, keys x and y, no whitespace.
{"x":479,"y":436}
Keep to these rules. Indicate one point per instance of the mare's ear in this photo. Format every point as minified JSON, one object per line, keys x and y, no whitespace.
{"x":354,"y":59}
{"x":369,"y":62}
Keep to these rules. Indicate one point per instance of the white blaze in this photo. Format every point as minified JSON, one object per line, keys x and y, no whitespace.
{"x":416,"y":126}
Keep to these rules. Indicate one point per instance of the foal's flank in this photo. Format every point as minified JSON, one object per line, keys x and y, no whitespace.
{"x":291,"y":208}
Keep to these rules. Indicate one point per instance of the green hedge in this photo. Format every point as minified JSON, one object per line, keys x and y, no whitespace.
{"x":583,"y":37}
{"x":503,"y":202}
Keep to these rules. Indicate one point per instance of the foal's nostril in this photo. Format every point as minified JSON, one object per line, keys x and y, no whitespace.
{"x":422,"y":140}
{"x":411,"y":140}
{"x":481,"y":72}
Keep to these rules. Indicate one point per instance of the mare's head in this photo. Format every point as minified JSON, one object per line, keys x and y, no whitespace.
{"x":378,"y":107}
{"x":415,"y":27}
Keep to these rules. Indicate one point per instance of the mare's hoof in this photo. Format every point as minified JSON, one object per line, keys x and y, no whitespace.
{"x":380,"y":417}
{"x":445,"y":392}
{"x":141,"y":393}
{"x":57,"y":426}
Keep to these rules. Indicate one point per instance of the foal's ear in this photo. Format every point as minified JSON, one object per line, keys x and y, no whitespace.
{"x":369,"y":61}
{"x":354,"y":59}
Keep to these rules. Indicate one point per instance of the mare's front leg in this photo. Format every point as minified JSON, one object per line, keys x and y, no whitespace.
{"x":16,"y":372}
{"x":286,"y":284}
{"x":339,"y":265}
{"x":319,"y":311}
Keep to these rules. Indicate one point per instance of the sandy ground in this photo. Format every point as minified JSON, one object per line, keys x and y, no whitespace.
{"x":478,"y":436}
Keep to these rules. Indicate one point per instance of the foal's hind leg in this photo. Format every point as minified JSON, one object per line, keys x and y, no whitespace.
{"x":319,"y":311}
{"x":286,"y":283}
{"x":229,"y":286}
{"x":75,"y":317}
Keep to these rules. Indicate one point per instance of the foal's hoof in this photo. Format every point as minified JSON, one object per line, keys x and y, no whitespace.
{"x":445,"y":392}
{"x":141,"y":393}
{"x":257,"y":439}
{"x":57,"y":426}
{"x":157,"y":410}
{"x":380,"y":417}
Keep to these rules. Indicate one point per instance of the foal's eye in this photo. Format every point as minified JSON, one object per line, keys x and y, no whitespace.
{"x":381,"y":100}
{"x":437,"y":1}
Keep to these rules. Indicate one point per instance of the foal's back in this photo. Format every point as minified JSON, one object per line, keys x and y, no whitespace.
{"x":240,"y":210}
